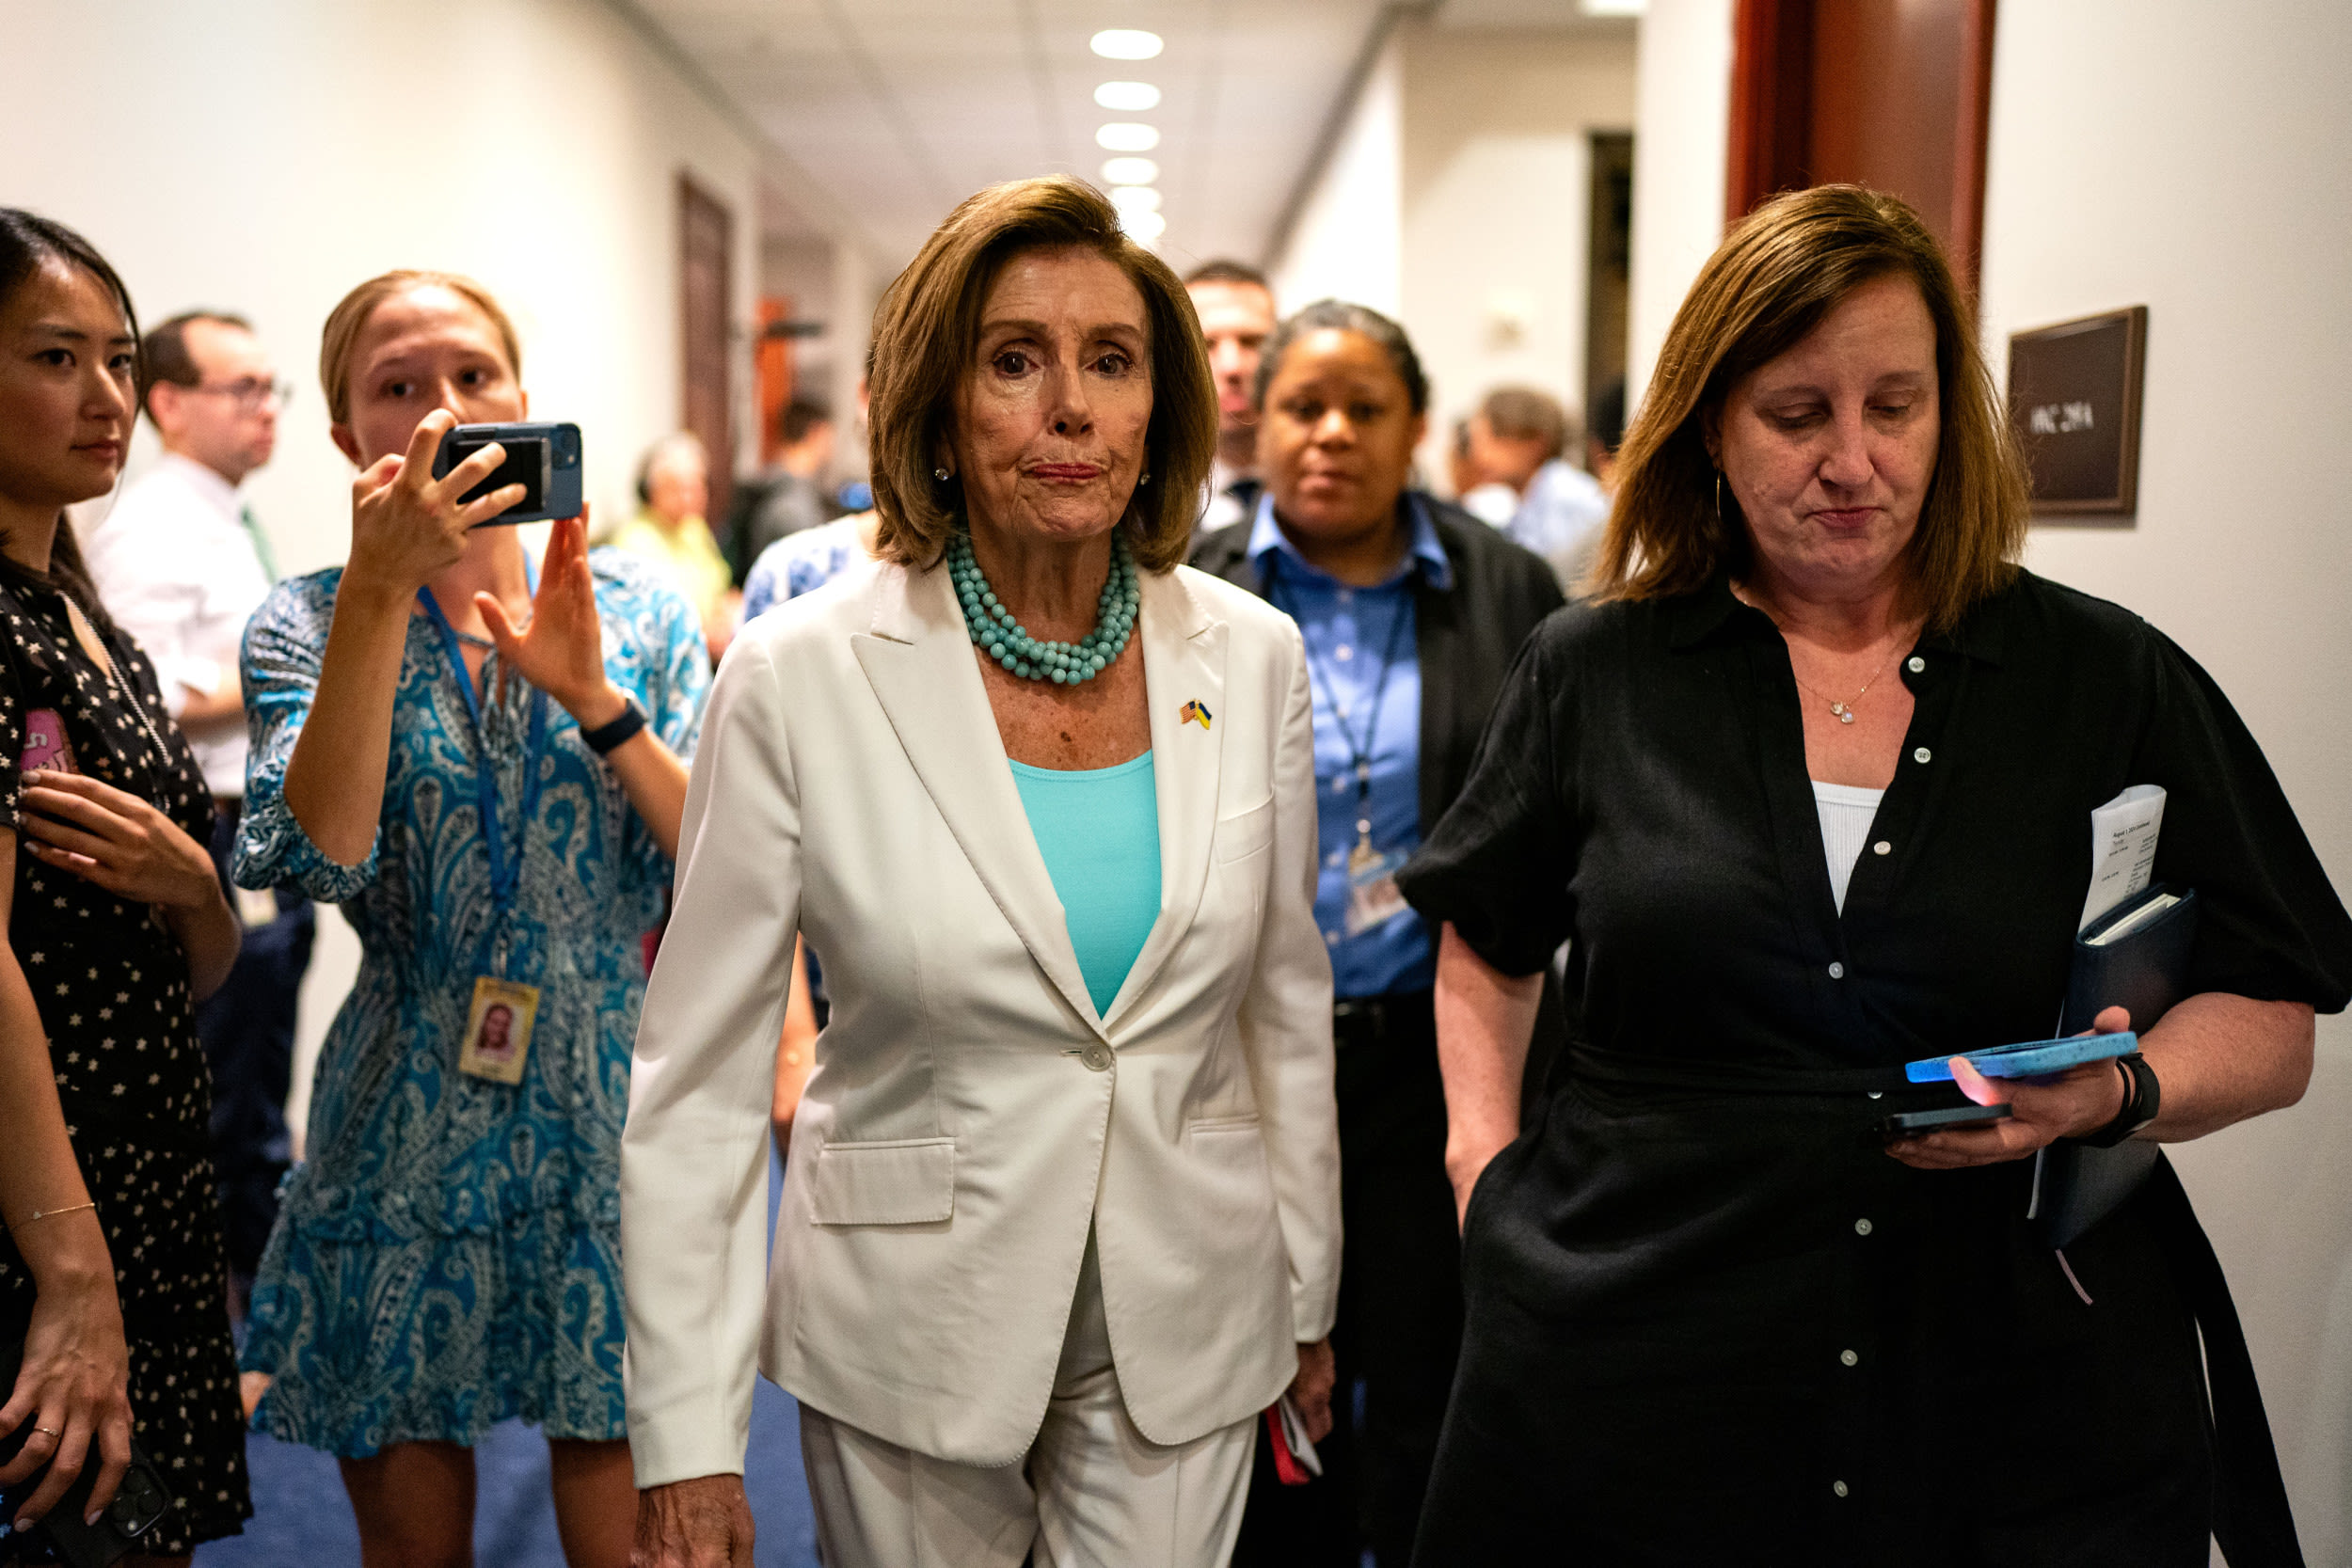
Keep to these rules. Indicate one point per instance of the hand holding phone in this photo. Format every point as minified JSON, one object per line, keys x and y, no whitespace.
{"x":544,"y":459}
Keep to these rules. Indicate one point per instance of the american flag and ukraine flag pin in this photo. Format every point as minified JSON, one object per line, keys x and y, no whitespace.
{"x":1193,"y":713}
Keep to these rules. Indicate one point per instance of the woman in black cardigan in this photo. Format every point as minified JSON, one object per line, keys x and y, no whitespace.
{"x":1412,"y":611}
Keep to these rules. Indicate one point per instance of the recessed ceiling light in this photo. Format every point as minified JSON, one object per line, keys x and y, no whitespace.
{"x":1130,"y":171}
{"x":1135,"y":198}
{"x":1127,"y":136}
{"x":1125,"y":43}
{"x":1145,"y":226}
{"x":1132,"y":98}
{"x":1613,"y":7}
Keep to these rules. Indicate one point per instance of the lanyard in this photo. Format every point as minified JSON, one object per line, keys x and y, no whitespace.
{"x":1360,"y":752}
{"x":506,"y":875}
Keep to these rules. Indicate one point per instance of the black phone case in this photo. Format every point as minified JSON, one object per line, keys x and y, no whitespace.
{"x":140,"y":1502}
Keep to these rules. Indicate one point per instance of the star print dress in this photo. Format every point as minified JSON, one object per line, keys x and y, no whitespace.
{"x":111,"y":983}
{"x":447,"y":1254}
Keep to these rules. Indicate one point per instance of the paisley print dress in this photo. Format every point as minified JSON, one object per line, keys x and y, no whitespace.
{"x":447,"y":1253}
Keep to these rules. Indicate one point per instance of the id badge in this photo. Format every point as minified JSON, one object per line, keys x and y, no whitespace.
{"x":497,"y":1031}
{"x":1373,"y":899}
{"x":256,"y":905}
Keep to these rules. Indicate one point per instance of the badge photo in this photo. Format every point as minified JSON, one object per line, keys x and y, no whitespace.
{"x":498,"y":1030}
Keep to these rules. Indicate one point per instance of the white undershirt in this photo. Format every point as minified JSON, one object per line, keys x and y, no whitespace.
{"x":1847,"y":813}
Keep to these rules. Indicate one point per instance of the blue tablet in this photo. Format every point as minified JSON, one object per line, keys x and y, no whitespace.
{"x":2027,"y":1059}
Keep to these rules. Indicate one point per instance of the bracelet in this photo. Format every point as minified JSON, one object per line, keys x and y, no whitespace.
{"x":2141,"y":1097}
{"x":52,"y":1213}
{"x":605,"y":737}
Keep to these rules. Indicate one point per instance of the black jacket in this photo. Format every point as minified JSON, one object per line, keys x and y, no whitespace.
{"x":1466,"y":636}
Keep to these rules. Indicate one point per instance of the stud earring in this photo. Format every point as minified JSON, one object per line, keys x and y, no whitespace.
{"x":940,"y":474}
{"x":1146,"y":479}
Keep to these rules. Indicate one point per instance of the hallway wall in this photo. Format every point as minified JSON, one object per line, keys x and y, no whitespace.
{"x":2189,"y":158}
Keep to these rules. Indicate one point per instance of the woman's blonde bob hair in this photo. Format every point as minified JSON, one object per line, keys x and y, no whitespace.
{"x":927,"y":329}
{"x":1778,"y":273}
{"x":343,"y":323}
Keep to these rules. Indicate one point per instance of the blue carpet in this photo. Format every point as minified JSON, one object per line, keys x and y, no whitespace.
{"x":301,"y":1518}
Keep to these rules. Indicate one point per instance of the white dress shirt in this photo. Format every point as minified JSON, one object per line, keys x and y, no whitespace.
{"x":178,"y":572}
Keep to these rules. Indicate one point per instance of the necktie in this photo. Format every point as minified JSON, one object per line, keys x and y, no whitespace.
{"x":261,"y":543}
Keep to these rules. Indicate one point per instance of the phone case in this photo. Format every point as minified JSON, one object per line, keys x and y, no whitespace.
{"x":2027,"y":1059}
{"x":45,"y":743}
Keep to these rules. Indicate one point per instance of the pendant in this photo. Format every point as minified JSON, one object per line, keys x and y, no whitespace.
{"x":1844,"y":714}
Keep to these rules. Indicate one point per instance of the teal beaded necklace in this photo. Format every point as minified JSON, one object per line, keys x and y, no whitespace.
{"x":995,"y":633}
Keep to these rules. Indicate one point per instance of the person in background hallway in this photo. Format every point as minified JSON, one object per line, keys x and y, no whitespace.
{"x":110,"y":1267}
{"x":1235,"y":304}
{"x":802,"y":563}
{"x":1412,"y":613}
{"x":182,"y":563}
{"x":796,"y":499}
{"x":1059,"y":1219}
{"x":1519,"y":441}
{"x":673,"y":493}
{"x":480,"y":761}
{"x":1808,"y":793}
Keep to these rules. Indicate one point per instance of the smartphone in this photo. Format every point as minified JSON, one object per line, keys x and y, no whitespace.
{"x":2027,"y":1059}
{"x":1912,"y":1124}
{"x":543,"y":458}
{"x":139,"y":1502}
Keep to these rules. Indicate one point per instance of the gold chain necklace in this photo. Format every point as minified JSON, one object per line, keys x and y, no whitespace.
{"x":1843,"y":710}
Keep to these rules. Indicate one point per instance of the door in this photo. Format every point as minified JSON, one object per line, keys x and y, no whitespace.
{"x":1887,"y":93}
{"x":705,"y":284}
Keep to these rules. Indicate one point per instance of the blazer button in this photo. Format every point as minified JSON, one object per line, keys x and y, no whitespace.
{"x":1097,"y":1057}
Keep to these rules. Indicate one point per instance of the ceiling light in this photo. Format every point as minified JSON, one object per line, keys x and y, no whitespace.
{"x":1145,"y":226}
{"x":1132,"y":98}
{"x":1125,"y":43}
{"x":1613,"y":7}
{"x":1127,"y":136}
{"x":1130,"y":171}
{"x":1135,"y":198}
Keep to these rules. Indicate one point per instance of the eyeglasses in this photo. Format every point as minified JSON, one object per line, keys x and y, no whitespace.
{"x":250,"y":392}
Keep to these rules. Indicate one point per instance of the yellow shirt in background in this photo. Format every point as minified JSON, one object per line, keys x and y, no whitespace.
{"x":688,"y":552}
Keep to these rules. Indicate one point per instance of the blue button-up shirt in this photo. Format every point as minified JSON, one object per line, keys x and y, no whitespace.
{"x":1348,"y":630}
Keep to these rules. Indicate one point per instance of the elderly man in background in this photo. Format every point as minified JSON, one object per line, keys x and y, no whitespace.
{"x":182,"y":563}
{"x":669,"y":531}
{"x":1235,"y":304}
{"x":1517,"y":445}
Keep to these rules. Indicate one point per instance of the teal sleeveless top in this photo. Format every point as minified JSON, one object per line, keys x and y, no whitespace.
{"x":1099,"y":831}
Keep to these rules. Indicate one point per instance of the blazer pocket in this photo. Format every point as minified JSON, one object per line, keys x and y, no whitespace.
{"x":1245,"y":832}
{"x":898,"y":1182}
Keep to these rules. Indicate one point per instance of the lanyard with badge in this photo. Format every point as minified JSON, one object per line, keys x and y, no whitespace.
{"x":1373,"y":899}
{"x":498,"y":1026}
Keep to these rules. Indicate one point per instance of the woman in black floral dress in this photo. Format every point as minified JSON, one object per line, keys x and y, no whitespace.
{"x":116,"y":926}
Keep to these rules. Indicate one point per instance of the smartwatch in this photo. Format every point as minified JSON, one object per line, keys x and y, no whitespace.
{"x":603,"y":738}
{"x":2140,"y":1097}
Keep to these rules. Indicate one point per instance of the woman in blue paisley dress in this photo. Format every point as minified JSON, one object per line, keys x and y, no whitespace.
{"x":447,"y":1253}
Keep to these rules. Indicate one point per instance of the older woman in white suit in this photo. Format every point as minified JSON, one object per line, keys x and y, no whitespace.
{"x":1061,"y":1218}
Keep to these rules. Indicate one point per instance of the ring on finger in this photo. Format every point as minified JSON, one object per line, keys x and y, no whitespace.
{"x":47,"y":1432}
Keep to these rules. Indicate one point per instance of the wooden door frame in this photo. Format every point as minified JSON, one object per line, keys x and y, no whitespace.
{"x":1771,"y":111}
{"x":690,"y":194}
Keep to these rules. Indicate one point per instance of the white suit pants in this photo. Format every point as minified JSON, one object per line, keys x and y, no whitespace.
{"x":1091,"y":1492}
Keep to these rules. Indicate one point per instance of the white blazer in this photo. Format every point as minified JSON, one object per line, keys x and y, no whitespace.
{"x":970,"y":1116}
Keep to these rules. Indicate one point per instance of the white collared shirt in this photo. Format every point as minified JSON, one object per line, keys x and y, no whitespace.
{"x":178,"y":572}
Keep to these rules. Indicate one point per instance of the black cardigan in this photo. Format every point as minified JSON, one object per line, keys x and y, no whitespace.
{"x":1466,"y":636}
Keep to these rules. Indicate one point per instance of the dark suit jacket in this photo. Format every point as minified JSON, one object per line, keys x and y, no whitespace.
{"x":1466,"y":636}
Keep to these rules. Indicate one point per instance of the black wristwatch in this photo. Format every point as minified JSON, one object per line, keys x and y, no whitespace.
{"x":2140,"y":1097}
{"x":603,"y":738}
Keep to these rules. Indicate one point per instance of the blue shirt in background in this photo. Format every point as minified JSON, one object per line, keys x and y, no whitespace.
{"x":1348,"y":630}
{"x":1099,"y":831}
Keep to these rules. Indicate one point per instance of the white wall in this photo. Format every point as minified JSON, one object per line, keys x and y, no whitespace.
{"x":2192,"y":159}
{"x":265,"y":156}
{"x":1497,"y":208}
{"x":1679,"y":156}
{"x":1347,"y":243}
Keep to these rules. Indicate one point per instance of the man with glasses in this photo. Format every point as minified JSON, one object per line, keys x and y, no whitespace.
{"x":182,"y":563}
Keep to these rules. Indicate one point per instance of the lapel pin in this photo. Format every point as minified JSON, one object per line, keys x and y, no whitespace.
{"x":1193,"y":713}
